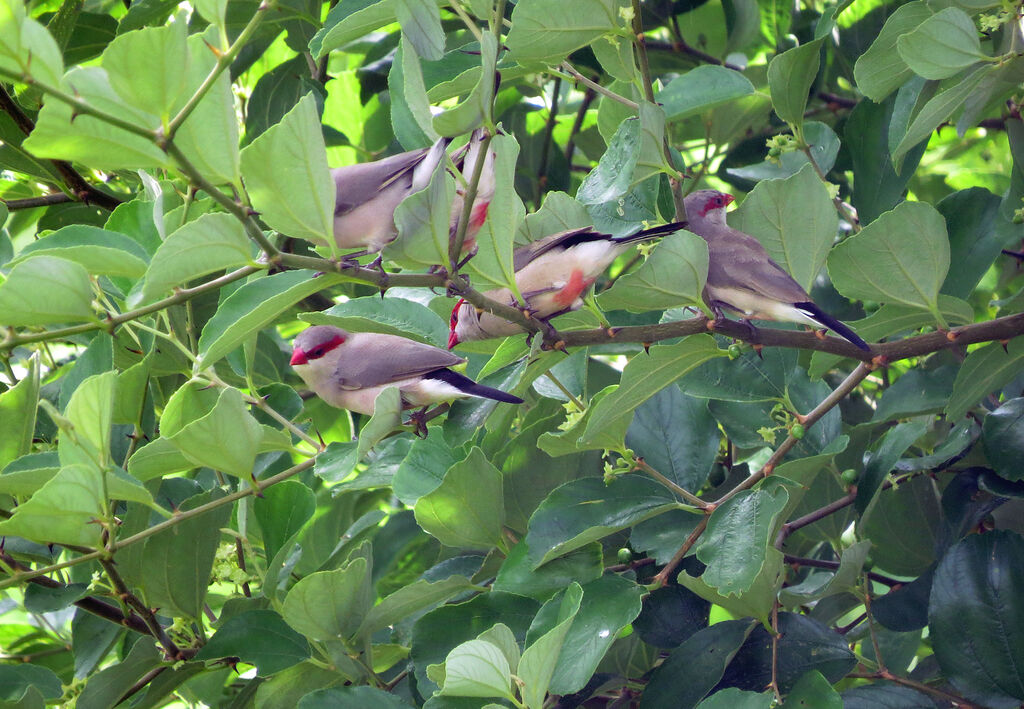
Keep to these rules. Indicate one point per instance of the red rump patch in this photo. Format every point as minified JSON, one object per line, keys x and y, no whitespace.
{"x":572,"y":290}
{"x":479,"y":215}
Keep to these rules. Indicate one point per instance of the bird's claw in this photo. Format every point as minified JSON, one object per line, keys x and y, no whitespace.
{"x":418,"y":420}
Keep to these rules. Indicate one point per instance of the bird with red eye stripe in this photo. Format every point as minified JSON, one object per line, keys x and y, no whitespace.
{"x":743,"y":278}
{"x":552,"y":275}
{"x":350,"y":369}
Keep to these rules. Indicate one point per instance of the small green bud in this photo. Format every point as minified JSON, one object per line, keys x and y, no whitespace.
{"x":734,"y":351}
{"x":624,"y":555}
{"x":797,"y":431}
{"x":849,"y":476}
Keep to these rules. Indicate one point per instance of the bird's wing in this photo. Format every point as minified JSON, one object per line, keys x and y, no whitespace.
{"x":372,"y":359}
{"x":524,"y":254}
{"x":357,"y":184}
{"x":738,"y":260}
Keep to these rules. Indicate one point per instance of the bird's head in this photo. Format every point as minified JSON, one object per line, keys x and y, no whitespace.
{"x":314,"y":343}
{"x":708,"y":205}
{"x":453,"y":324}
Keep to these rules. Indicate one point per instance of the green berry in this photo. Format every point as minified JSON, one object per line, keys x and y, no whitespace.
{"x":797,"y":431}
{"x":849,"y":476}
{"x":625,"y":555}
{"x":734,"y":351}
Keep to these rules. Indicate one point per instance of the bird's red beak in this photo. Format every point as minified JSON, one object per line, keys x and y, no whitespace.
{"x":453,"y":339}
{"x":729,"y":199}
{"x":298,"y":357}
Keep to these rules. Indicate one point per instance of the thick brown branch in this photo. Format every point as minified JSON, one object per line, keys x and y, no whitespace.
{"x":45,"y":200}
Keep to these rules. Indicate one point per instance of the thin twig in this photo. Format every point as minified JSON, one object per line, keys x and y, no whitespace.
{"x":679,"y":490}
{"x":575,"y":75}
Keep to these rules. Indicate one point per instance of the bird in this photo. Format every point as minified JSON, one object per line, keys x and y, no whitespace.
{"x":552,"y":274}
{"x":367,"y":194}
{"x":349,"y":369}
{"x":742,"y":277}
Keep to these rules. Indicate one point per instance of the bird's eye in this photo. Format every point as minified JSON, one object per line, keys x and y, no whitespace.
{"x":317,"y":352}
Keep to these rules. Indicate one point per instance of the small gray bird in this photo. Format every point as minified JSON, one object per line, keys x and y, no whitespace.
{"x":552,"y":274}
{"x":367,"y":194}
{"x":743,"y":278}
{"x":349,"y":370}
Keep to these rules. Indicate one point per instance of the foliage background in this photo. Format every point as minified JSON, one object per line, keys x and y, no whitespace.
{"x":702,"y":524}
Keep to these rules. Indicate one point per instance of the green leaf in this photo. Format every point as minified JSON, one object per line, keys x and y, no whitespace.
{"x":16,"y":679}
{"x":677,"y":436}
{"x":826,"y":583}
{"x":387,"y":416}
{"x":942,"y":45}
{"x":694,"y":668}
{"x":985,"y":370}
{"x":177,"y":562}
{"x":46,"y":289}
{"x":26,"y":48}
{"x":422,"y":470}
{"x":517,"y":574}
{"x":349,"y":20}
{"x":585,"y":510}
{"x":410,"y":107}
{"x":467,"y":509}
{"x":421,"y":25}
{"x":392,"y":316}
{"x":885,"y":696}
{"x":106,"y":687}
{"x":145,"y":67}
{"x":223,"y":436}
{"x":615,"y":54}
{"x":881,"y":70}
{"x":90,"y":413}
{"x":353,"y":697}
{"x":258,"y":637}
{"x":974,"y":588}
{"x":701,"y":89}
{"x":790,"y":76}
{"x":641,"y":379}
{"x":895,"y":443}
{"x":901,"y":257}
{"x":477,"y":668}
{"x":537,"y":665}
{"x":634,"y":153}
{"x":736,"y":542}
{"x":98,"y":250}
{"x":18,"y":409}
{"x":546,"y":33}
{"x":61,"y":134}
{"x":476,"y":109}
{"x":732,"y":698}
{"x":1003,"y":436}
{"x":408,"y":600}
{"x":63,"y":511}
{"x":672,"y":276}
{"x":971,"y":218}
{"x":795,"y":221}
{"x":609,"y":605}
{"x":330,"y":604}
{"x":211,"y":243}
{"x":757,"y":601}
{"x":282,"y":511}
{"x":285,"y":171}
{"x":253,"y":307}
{"x":904,"y":525}
{"x":423,"y":220}
{"x":938,"y":109}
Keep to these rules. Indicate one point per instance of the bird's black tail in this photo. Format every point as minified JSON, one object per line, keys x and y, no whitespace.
{"x":467,"y":385}
{"x":652,"y":233}
{"x":813,"y":311}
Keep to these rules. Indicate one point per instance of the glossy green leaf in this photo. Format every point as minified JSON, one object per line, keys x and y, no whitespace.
{"x":63,"y":511}
{"x":986,"y":369}
{"x":974,"y":588}
{"x":700,"y":90}
{"x":26,"y":48}
{"x":546,"y":33}
{"x":421,"y":25}
{"x":43,"y":290}
{"x":98,"y":250}
{"x":974,"y":241}
{"x":895,"y":443}
{"x":942,"y":45}
{"x":349,"y":20}
{"x":735,"y":544}
{"x":671,"y":615}
{"x":18,"y":409}
{"x":901,"y":257}
{"x":89,"y":413}
{"x":538,"y":662}
{"x":408,"y":600}
{"x":1004,"y":439}
{"x":330,"y":604}
{"x":259,"y":637}
{"x":423,"y":220}
{"x":634,"y":153}
{"x":466,"y":510}
{"x":517,"y":574}
{"x":177,"y":562}
{"x":694,"y":668}
{"x":904,"y":525}
{"x":286,"y":175}
{"x":813,"y":690}
{"x":281,"y":511}
{"x":790,"y":76}
{"x":477,"y":668}
{"x":422,"y":470}
{"x":61,"y":134}
{"x":643,"y":376}
{"x":825,"y":583}
{"x":732,"y":698}
{"x":672,"y":276}
{"x":881,"y":70}
{"x":585,"y":510}
{"x":881,"y":695}
{"x":352,"y":697}
{"x":145,"y":65}
{"x":410,"y":107}
{"x":794,"y":219}
{"x":211,"y":243}
{"x":476,"y":109}
{"x":253,"y":307}
{"x":392,"y":316}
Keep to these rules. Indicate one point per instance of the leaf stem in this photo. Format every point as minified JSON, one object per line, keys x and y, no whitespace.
{"x":576,"y":76}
